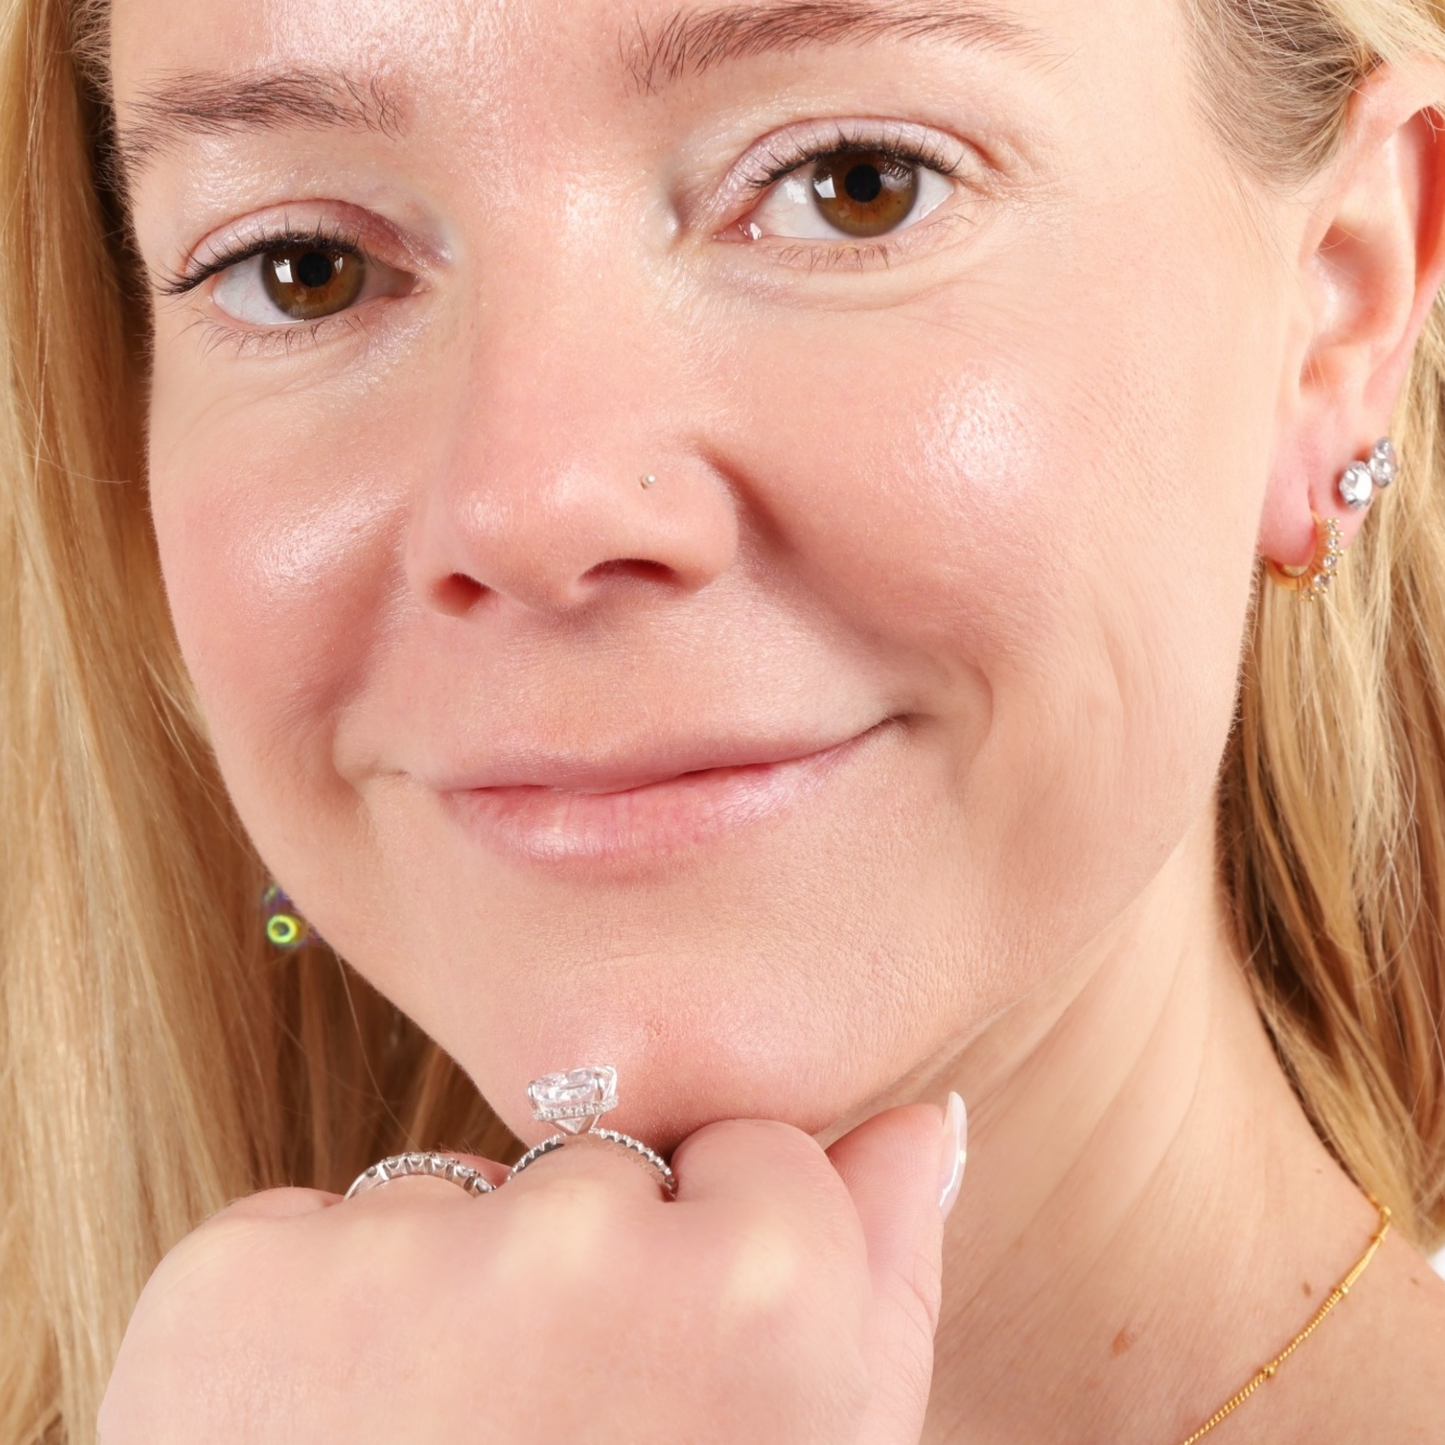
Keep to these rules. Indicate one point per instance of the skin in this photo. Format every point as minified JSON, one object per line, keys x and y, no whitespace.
{"x":994,"y":508}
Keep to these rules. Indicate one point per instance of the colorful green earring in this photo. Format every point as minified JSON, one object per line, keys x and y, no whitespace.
{"x":285,"y":927}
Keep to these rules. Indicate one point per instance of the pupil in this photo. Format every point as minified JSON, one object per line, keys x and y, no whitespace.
{"x":313,"y":270}
{"x":863,"y":183}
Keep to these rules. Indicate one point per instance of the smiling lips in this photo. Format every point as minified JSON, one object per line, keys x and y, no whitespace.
{"x":560,"y":811}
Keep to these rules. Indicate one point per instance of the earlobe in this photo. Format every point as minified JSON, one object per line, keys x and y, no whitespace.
{"x":1358,"y":487}
{"x":1371,"y":262}
{"x":1317,"y":576}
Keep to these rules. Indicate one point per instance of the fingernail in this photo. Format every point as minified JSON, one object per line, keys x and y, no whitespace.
{"x":955,"y":1152}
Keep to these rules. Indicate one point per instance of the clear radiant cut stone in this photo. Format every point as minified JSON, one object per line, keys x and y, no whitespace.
{"x":1357,"y":484}
{"x":1384,"y":464}
{"x":574,"y":1098}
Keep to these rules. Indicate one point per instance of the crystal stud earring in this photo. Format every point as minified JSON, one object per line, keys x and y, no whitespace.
{"x":1358,"y":484}
{"x":1384,"y":463}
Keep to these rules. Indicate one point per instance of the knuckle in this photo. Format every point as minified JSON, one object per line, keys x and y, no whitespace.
{"x":757,"y":1265}
{"x":567,"y":1204}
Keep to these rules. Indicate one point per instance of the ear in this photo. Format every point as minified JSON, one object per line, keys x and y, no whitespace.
{"x":1371,"y":259}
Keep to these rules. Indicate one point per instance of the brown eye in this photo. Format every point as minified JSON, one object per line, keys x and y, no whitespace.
{"x":306,"y":282}
{"x":864,"y":193}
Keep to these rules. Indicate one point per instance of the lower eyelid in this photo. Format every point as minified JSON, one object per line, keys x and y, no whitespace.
{"x":862,"y":253}
{"x":271,"y":339}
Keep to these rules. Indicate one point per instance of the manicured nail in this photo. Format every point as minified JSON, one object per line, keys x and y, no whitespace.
{"x":955,"y":1152}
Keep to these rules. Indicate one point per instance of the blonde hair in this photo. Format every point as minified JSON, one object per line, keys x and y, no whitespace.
{"x":157,"y":1059}
{"x":1332,"y":803}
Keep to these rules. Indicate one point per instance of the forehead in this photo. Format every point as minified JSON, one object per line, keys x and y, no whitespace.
{"x":634,"y":32}
{"x":393,"y":58}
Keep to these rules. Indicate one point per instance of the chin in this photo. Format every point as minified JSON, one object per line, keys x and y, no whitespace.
{"x":671,"y":1084}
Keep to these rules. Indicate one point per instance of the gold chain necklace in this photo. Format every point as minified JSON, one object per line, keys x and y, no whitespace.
{"x":1266,"y":1372}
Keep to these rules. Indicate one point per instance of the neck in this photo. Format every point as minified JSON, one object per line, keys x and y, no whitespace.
{"x":1146,"y":1215}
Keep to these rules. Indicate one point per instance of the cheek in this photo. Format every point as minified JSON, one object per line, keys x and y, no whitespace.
{"x":275,"y":525}
{"x":1052,"y":523}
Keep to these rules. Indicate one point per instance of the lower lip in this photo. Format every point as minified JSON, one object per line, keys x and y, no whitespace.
{"x":553,"y":825}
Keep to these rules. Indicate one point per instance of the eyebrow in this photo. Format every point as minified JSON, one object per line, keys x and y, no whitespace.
{"x":689,"y":42}
{"x":184,"y":104}
{"x":189,"y":103}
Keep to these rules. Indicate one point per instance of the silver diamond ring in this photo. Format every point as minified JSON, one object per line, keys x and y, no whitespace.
{"x":576,"y":1100}
{"x":438,"y":1166}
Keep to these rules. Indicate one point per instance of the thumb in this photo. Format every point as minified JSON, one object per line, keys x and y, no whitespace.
{"x":897,"y":1167}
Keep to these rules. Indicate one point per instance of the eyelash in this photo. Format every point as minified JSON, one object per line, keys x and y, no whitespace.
{"x":849,"y":136}
{"x":839,"y":137}
{"x":324,"y":238}
{"x":261,"y":239}
{"x":771,"y":167}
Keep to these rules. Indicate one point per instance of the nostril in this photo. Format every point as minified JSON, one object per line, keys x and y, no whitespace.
{"x":636,"y":567}
{"x":458,"y":593}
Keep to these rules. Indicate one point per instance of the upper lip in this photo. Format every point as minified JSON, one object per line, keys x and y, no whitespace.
{"x":656,"y":764}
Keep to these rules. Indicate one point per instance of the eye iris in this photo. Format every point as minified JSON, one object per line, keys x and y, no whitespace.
{"x":306,"y":282}
{"x":864,"y":193}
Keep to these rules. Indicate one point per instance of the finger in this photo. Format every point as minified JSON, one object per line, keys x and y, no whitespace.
{"x":891,"y":1167}
{"x":785,"y":1208}
{"x":287,"y":1203}
{"x":752,"y":1160}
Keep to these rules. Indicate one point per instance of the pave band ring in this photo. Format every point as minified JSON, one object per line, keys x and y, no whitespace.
{"x":576,"y":1100}
{"x":438,"y":1166}
{"x":650,"y":1157}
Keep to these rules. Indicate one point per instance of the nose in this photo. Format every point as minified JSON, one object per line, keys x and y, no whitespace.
{"x":570,"y":465}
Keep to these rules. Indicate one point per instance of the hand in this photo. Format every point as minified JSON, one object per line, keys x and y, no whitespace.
{"x":785,"y":1296}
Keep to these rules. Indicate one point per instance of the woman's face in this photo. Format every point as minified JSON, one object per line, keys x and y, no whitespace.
{"x":768,"y":779}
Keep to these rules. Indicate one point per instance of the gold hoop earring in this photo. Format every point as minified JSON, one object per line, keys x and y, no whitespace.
{"x":1316,"y":578}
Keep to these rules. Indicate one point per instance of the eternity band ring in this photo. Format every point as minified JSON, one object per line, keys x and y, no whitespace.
{"x":576,"y":1100}
{"x":438,"y":1166}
